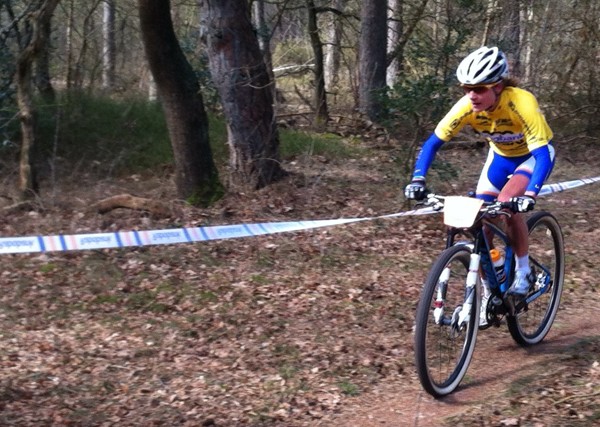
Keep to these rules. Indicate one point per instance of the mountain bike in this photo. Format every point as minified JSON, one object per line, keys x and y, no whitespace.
{"x":448,"y":312}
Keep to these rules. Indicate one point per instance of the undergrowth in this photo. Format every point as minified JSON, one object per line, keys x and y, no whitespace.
{"x":119,"y":136}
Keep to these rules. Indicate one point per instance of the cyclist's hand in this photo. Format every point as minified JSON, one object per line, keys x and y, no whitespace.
{"x":522,"y":203}
{"x":415,"y":190}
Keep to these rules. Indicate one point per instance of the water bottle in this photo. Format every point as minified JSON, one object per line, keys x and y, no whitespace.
{"x":498,"y":262}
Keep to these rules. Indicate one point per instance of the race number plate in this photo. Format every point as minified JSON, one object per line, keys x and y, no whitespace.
{"x":460,"y":212}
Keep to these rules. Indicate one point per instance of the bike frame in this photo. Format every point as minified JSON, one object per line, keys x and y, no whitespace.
{"x":481,"y":259}
{"x":481,"y":247}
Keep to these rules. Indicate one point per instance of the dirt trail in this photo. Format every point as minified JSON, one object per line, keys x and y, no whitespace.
{"x":498,"y":362}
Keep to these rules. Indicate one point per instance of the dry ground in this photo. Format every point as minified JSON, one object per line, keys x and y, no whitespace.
{"x":299,"y":329}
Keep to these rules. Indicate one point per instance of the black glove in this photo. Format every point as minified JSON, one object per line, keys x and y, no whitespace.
{"x":415,"y":190}
{"x":522,"y":203}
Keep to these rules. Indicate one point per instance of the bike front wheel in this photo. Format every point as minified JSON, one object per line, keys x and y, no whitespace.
{"x":445,"y":330}
{"x":547,"y":261}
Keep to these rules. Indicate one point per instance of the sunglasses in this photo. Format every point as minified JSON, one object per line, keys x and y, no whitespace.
{"x":479,"y":89}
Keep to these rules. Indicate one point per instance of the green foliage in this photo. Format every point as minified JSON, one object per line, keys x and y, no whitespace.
{"x":104,"y":133}
{"x":292,"y":143}
{"x":111,"y":135}
{"x":415,"y":104}
{"x":295,"y":143}
{"x":423,"y":92}
{"x":114,"y":136}
{"x":47,"y":268}
{"x":7,"y":71}
{"x":6,"y":87}
{"x":349,"y":389}
{"x":420,"y":101}
{"x":217,"y":133}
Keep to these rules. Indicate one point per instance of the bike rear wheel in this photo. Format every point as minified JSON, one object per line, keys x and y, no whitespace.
{"x":443,"y":347}
{"x":547,"y":261}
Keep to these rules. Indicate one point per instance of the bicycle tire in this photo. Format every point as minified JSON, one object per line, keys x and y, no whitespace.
{"x":546,"y":247}
{"x":439,"y":344}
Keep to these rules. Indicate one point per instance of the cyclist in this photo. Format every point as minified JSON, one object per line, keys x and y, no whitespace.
{"x":521,"y":154}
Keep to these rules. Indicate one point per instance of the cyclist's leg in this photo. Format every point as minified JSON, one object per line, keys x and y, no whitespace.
{"x":516,"y":225}
{"x":516,"y":228}
{"x":516,"y":186}
{"x":494,"y":176}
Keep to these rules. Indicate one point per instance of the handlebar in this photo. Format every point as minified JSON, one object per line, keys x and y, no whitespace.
{"x":436,"y":201}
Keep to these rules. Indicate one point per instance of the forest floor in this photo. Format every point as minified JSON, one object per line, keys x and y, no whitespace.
{"x":311,"y":328}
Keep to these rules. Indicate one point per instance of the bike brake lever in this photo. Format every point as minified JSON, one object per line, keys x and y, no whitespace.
{"x":499,"y":209}
{"x":438,"y":206}
{"x":433,"y":201}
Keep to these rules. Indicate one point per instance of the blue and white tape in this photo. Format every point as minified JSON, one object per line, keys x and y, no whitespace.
{"x":124,"y":239}
{"x":567,"y":185}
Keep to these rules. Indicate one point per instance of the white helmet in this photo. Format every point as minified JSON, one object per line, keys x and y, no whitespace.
{"x":485,"y":65}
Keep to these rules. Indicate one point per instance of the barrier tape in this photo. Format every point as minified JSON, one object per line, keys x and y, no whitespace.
{"x":568,"y":185}
{"x":124,"y":239}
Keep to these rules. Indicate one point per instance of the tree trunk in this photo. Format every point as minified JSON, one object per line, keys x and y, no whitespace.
{"x":527,"y":41}
{"x":40,"y":15}
{"x":394,"y":34}
{"x":196,"y":176}
{"x":397,"y":51}
{"x":372,"y":56}
{"x":264,"y":38}
{"x":109,"y":47}
{"x":334,"y":46}
{"x":42,"y":72}
{"x":242,"y":80}
{"x":69,"y":43}
{"x":320,"y":96}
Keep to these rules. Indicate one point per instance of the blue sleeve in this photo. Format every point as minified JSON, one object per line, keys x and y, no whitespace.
{"x":543,"y":167}
{"x":426,"y":155}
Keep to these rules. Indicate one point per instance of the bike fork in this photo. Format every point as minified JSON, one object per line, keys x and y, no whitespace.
{"x":467,"y":308}
{"x":438,"y":312}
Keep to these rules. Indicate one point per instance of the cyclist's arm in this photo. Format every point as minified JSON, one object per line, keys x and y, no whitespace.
{"x":543,"y":166}
{"x":426,"y":156}
{"x":446,"y":129}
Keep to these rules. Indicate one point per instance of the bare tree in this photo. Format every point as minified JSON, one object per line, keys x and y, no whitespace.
{"x":196,"y":176}
{"x":320,"y":96}
{"x":334,"y":42}
{"x":69,"y":36}
{"x":403,"y":29}
{"x":264,"y":35}
{"x":42,"y":67}
{"x":33,"y":38}
{"x":109,"y":45}
{"x":395,"y":29}
{"x":241,"y":77}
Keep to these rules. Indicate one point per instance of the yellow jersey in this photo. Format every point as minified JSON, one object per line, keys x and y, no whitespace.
{"x":514,"y":128}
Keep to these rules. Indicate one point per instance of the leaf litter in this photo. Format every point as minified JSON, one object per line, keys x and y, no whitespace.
{"x":293,"y":329}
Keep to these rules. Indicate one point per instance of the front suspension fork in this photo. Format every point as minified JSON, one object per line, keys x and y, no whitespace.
{"x":461,"y":315}
{"x":470,"y":302}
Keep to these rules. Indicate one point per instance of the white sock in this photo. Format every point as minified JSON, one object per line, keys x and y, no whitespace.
{"x":486,"y":288}
{"x":523,"y":263}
